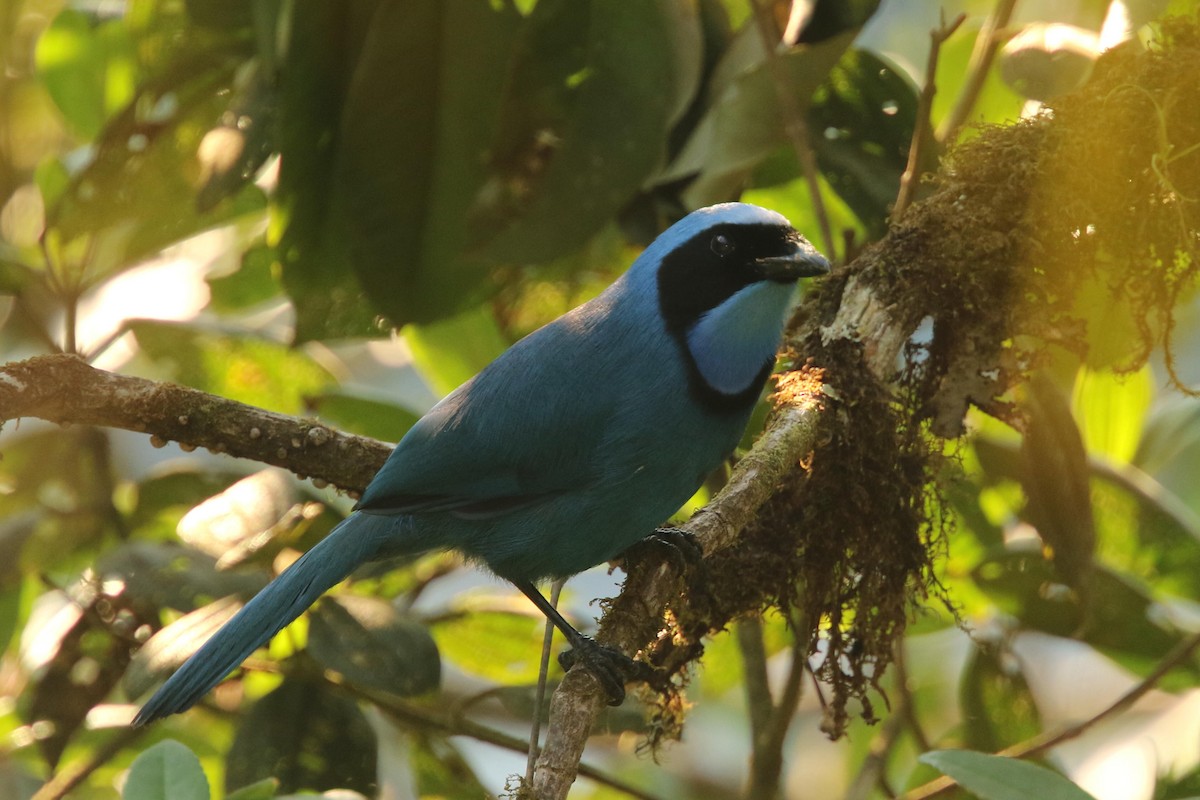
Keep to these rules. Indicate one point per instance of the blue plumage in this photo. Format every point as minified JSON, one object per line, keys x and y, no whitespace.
{"x":572,"y":445}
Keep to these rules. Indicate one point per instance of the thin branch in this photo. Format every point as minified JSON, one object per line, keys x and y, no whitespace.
{"x":919,"y":147}
{"x":1044,"y":741}
{"x":759,"y":706}
{"x":870,"y":774}
{"x":426,"y":719}
{"x":794,"y":124}
{"x":64,"y":389}
{"x":908,"y":706}
{"x":768,"y":748}
{"x":535,"y":727}
{"x":981,"y":61}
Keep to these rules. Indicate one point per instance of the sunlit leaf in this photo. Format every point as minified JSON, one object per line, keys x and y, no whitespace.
{"x":366,"y":417}
{"x":248,"y":508}
{"x":500,"y":646}
{"x":167,"y":770}
{"x":450,"y":352}
{"x":254,"y":371}
{"x":1111,"y":409}
{"x":88,"y":68}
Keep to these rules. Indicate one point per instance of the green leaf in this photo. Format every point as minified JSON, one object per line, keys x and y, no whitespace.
{"x":861,"y":122}
{"x":254,"y":282}
{"x":306,"y":737}
{"x":260,"y":790}
{"x":254,"y":371}
{"x":1122,"y":617}
{"x":87,"y":67}
{"x":743,"y":125}
{"x":167,"y":770}
{"x":1111,"y":409}
{"x":498,"y":645}
{"x":452,"y":351}
{"x":373,"y":646}
{"x":366,"y":417}
{"x":567,"y":175}
{"x":417,"y":120}
{"x":137,"y":194}
{"x":999,"y":778}
{"x":309,"y":220}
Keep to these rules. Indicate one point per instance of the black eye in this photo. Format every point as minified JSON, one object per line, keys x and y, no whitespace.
{"x":722,"y":245}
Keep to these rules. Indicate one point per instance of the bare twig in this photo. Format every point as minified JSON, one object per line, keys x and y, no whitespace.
{"x":871,"y":772}
{"x":1044,"y":741}
{"x":64,"y":389}
{"x":767,"y":766}
{"x":535,"y":727}
{"x":794,"y":124}
{"x":923,"y":128}
{"x":981,"y":61}
{"x":425,"y":719}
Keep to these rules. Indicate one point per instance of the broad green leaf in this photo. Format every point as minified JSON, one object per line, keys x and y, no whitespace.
{"x":254,"y":371}
{"x":247,"y":509}
{"x":373,"y":646}
{"x":254,"y":282}
{"x":452,"y":351}
{"x":307,"y":737}
{"x":309,"y":226}
{"x":137,"y":194}
{"x":1111,"y":409}
{"x":416,"y":125}
{"x":501,"y":646}
{"x":88,"y":68}
{"x":167,"y":770}
{"x":641,"y":64}
{"x":170,"y":576}
{"x":743,"y":124}
{"x":998,"y":778}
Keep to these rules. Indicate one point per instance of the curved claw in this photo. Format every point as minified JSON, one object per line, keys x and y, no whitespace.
{"x":612,"y":668}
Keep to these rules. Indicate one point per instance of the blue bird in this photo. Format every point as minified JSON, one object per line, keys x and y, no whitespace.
{"x":572,"y":445}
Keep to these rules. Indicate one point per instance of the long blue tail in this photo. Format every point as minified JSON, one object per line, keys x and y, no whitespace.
{"x":356,"y":540}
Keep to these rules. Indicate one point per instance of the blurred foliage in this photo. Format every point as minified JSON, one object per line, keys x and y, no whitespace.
{"x":461,"y":171}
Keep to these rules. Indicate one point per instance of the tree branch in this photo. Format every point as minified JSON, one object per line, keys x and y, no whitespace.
{"x":66,"y":390}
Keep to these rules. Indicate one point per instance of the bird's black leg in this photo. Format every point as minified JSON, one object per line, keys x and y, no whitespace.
{"x":612,"y":668}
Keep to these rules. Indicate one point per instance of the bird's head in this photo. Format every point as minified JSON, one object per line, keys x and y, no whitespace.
{"x":724,"y":277}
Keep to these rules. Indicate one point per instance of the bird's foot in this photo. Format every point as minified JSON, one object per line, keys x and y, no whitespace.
{"x":611,"y":668}
{"x":675,"y":546}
